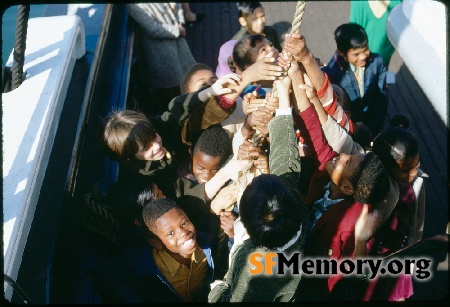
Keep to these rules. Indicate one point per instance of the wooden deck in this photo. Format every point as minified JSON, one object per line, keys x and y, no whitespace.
{"x":319,"y":22}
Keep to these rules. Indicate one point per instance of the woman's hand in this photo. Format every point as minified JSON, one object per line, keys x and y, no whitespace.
{"x":182,"y":30}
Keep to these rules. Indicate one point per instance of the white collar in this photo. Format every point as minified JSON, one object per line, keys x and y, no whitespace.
{"x":291,"y":241}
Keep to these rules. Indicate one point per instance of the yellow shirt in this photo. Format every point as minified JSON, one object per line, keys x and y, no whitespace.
{"x":185,"y":281}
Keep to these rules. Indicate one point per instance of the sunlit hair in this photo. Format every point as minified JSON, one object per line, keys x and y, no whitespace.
{"x":242,"y":56}
{"x":350,"y":36}
{"x":247,"y":8}
{"x":395,"y":145}
{"x":125,"y":130}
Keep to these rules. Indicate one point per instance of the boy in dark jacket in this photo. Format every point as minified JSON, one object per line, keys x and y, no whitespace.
{"x":361,"y":74}
{"x":252,"y":18}
{"x":172,"y":267}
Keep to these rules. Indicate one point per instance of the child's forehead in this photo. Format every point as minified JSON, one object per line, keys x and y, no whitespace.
{"x":202,"y":74}
{"x":257,"y":11}
{"x":172,"y":215}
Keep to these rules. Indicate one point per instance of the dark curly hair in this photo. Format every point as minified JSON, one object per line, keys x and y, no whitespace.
{"x":400,"y":120}
{"x":362,"y":135}
{"x":395,"y":144}
{"x":184,"y":83}
{"x":155,"y":209}
{"x":350,"y":36}
{"x":214,"y":142}
{"x":247,"y":8}
{"x":370,"y":180}
{"x":241,"y":55}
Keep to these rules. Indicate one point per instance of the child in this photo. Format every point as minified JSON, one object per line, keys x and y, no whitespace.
{"x":137,"y":141}
{"x":197,"y":77}
{"x":399,"y":152}
{"x":252,"y":18}
{"x":204,"y":194}
{"x":362,"y":74}
{"x":274,"y":216}
{"x":339,"y":185}
{"x":174,"y":266}
{"x":200,"y":76}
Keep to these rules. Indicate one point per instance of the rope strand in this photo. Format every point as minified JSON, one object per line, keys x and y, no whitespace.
{"x":20,"y":45}
{"x":296,"y":23}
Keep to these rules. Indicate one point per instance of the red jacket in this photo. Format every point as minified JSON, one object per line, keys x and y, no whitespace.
{"x":333,"y":234}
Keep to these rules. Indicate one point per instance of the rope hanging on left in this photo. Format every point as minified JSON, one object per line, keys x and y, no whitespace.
{"x":296,"y":23}
{"x":20,"y":45}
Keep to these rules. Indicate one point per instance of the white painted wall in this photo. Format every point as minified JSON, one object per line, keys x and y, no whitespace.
{"x":417,"y":29}
{"x":30,"y":120}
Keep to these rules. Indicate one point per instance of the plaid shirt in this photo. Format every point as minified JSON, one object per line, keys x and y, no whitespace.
{"x":319,"y":207}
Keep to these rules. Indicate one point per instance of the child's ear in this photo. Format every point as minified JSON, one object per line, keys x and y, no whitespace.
{"x":242,"y":21}
{"x":347,"y":188}
{"x":155,"y":243}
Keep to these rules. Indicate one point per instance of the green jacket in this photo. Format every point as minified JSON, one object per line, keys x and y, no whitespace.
{"x":241,"y":286}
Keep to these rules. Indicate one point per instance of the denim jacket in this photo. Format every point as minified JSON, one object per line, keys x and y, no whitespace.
{"x":370,"y":109}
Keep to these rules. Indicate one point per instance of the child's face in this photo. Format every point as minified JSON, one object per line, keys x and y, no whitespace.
{"x":204,"y":166}
{"x":200,"y":79}
{"x":155,"y":150}
{"x":255,"y":22}
{"x":176,"y":232}
{"x":358,"y":56}
{"x":342,"y":167}
{"x":405,"y":171}
{"x":262,"y":49}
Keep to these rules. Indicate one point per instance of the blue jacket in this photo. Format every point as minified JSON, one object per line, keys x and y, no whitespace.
{"x":133,"y":277}
{"x":371,"y":109}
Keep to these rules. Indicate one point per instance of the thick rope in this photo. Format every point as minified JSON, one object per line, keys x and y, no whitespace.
{"x":296,"y":23}
{"x":20,"y":45}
